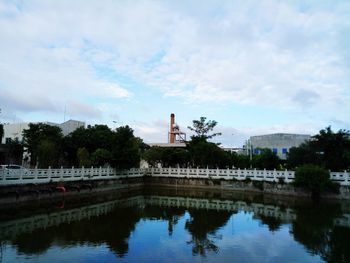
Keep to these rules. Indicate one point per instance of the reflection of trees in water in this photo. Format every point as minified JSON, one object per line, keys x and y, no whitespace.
{"x":203,"y":226}
{"x":170,"y":214}
{"x":113,"y":229}
{"x":273,"y":223}
{"x":314,"y":228}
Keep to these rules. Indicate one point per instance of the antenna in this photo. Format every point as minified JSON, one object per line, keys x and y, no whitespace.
{"x":64,"y":115}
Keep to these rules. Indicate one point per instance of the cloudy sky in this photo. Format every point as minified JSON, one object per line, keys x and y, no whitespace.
{"x":254,"y":66}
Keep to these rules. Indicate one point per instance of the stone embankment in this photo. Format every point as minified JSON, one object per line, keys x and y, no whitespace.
{"x":28,"y":185}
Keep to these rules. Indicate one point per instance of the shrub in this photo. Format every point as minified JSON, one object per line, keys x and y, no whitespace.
{"x":312,"y":178}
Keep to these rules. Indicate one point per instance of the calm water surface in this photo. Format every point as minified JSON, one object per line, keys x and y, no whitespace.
{"x":154,"y":226}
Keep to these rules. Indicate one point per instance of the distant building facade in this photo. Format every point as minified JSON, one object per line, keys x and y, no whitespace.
{"x":14,"y":131}
{"x":279,"y":143}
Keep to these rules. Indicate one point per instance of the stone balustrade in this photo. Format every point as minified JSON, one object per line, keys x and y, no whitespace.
{"x":38,"y":176}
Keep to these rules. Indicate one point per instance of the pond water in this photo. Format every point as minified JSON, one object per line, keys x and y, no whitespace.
{"x":176,"y":226}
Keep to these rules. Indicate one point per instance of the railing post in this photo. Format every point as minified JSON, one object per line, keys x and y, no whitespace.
{"x":108,"y":171}
{"x":61,"y":173}
{"x":91,"y":172}
{"x":254,"y":174}
{"x":197,"y":171}
{"x":100,"y":172}
{"x":207,"y":172}
{"x":346,"y":178}
{"x":188,"y":172}
{"x":3,"y":175}
{"x":49,"y":173}
{"x":82,"y":172}
{"x":72,"y":172}
{"x":36,"y":172}
{"x":169,"y":172}
{"x":286,"y":176}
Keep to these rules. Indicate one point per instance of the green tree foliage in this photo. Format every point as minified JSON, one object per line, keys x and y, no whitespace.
{"x":207,"y":154}
{"x":240,"y":161}
{"x":266,"y":160}
{"x":92,"y":138}
{"x":13,"y":153}
{"x":327,"y":149}
{"x":313,"y":178}
{"x":126,"y":151}
{"x":304,"y":154}
{"x":83,"y":156}
{"x":167,"y":157}
{"x":203,"y":128}
{"x":1,"y":131}
{"x":48,"y":154}
{"x":154,"y":155}
{"x":101,"y":157}
{"x":37,"y":133}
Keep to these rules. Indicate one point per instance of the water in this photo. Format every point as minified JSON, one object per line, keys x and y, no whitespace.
{"x":172,"y":226}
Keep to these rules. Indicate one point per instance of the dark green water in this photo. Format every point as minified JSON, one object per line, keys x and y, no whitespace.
{"x":169,"y":226}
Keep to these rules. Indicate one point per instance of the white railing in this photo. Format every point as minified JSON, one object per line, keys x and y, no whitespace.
{"x":37,"y":176}
{"x":239,"y":174}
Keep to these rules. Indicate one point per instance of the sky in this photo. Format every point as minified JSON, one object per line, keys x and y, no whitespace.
{"x":256,"y":67}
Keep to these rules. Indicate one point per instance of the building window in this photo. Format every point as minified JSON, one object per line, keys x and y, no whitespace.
{"x":284,"y":150}
{"x":274,"y":150}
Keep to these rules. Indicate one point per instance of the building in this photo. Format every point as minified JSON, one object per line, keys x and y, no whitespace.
{"x":176,"y":138}
{"x":14,"y":131}
{"x":279,"y":143}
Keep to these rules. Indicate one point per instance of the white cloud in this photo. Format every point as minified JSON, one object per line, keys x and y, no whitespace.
{"x":283,"y":54}
{"x":115,"y":91}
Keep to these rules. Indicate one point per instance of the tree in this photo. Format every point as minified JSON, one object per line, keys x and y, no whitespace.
{"x":83,"y":157}
{"x":240,"y":160}
{"x":266,"y":160}
{"x":92,"y":138}
{"x":48,"y":154}
{"x":1,"y":131}
{"x":312,"y":178}
{"x":37,"y":133}
{"x":304,"y":154}
{"x":327,"y":149}
{"x":206,"y":154}
{"x":125,"y":149}
{"x":100,"y":157}
{"x":154,"y":155}
{"x":203,"y":128}
{"x":167,"y":156}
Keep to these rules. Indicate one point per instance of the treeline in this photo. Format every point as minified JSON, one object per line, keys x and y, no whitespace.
{"x":98,"y":145}
{"x":95,"y":145}
{"x":328,"y":150}
{"x":201,"y":153}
